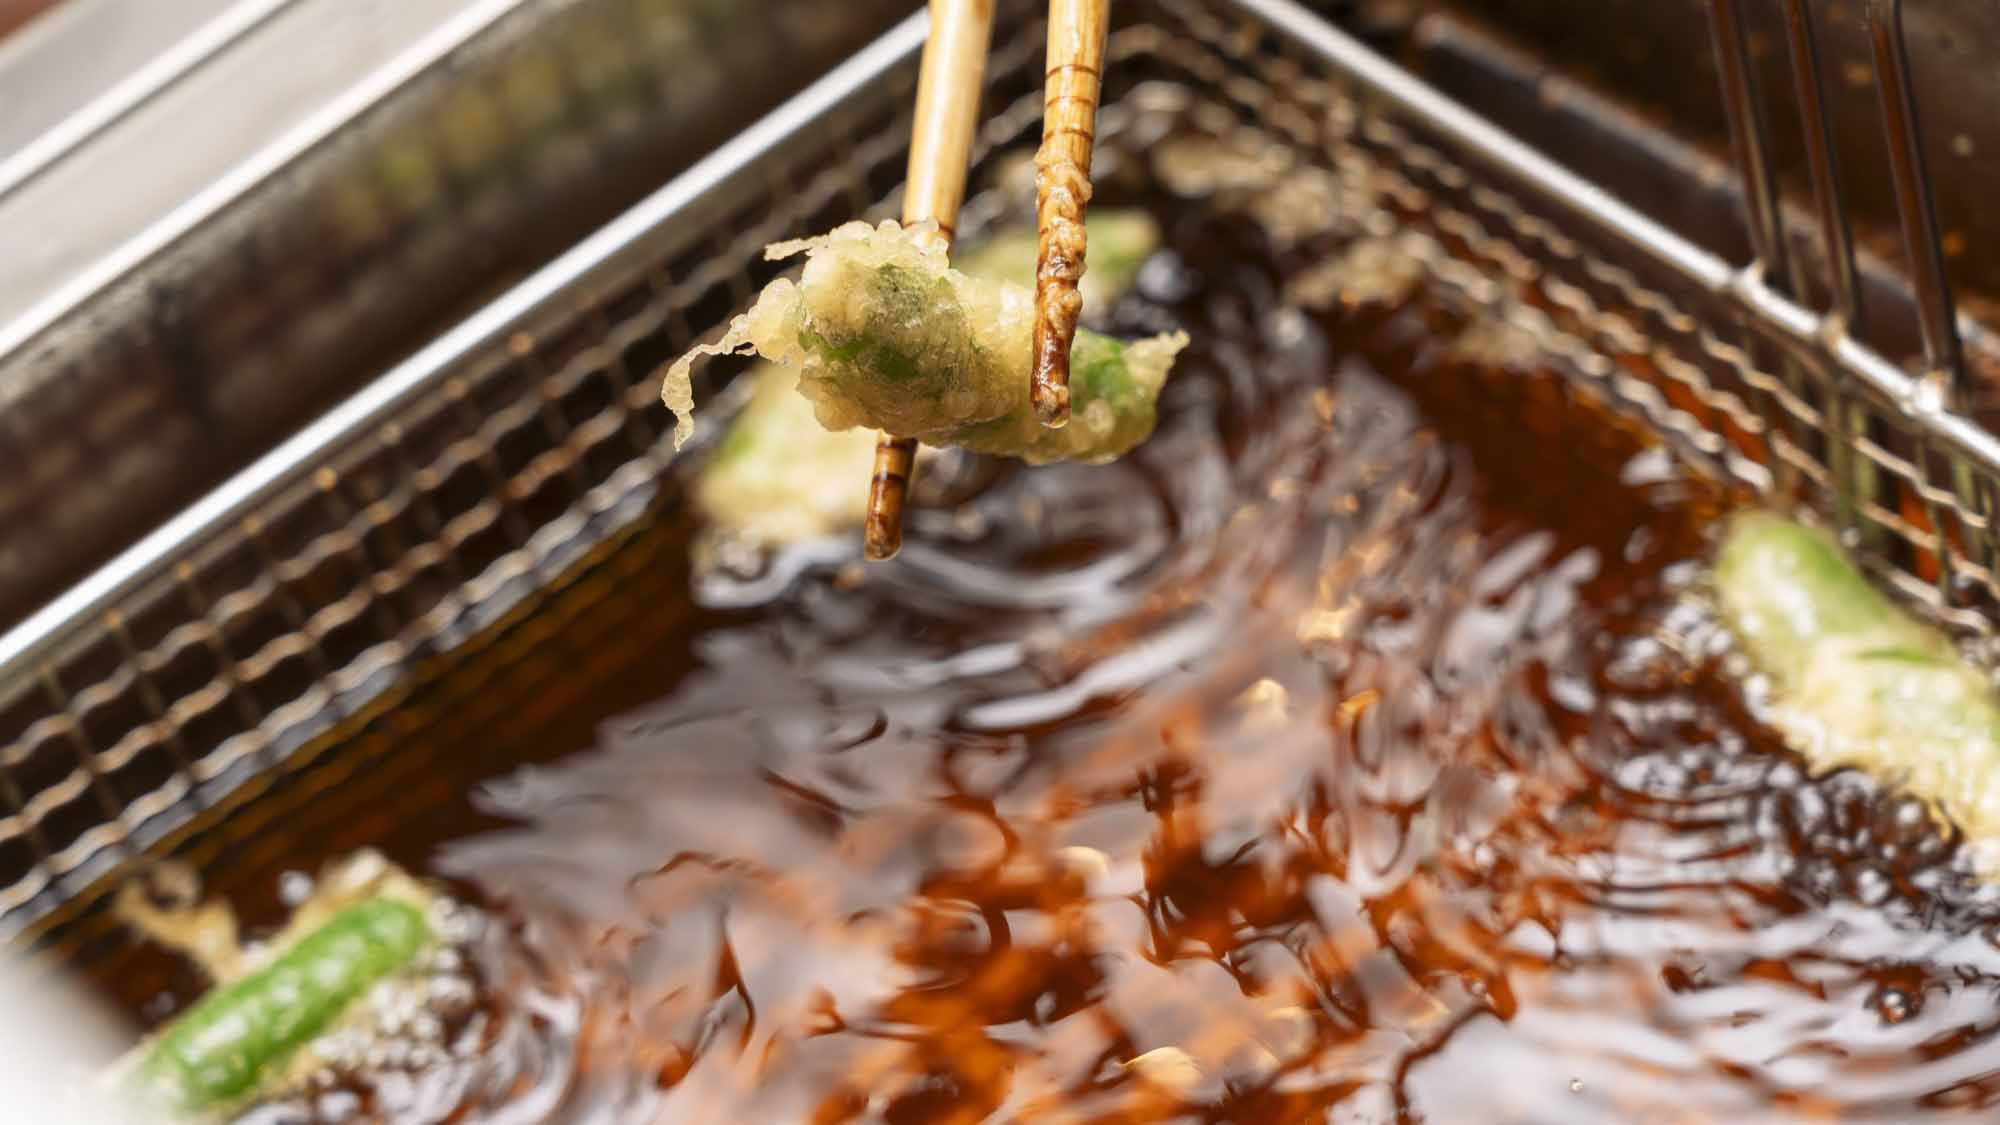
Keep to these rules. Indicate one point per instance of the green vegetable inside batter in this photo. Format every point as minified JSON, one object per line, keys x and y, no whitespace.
{"x":885,"y":335}
{"x":262,"y":1030}
{"x":779,"y":477}
{"x":1120,"y":242}
{"x":1855,"y":680}
{"x":217,"y":1051}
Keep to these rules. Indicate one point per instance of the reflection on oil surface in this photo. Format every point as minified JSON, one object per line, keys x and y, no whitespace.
{"x":1355,"y":751}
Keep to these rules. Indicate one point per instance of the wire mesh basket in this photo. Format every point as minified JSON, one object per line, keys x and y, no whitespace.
{"x":151,"y":342}
{"x":336,"y":641}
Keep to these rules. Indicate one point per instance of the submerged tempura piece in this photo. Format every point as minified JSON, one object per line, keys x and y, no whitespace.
{"x":367,"y":922}
{"x":1858,"y":682}
{"x":887,"y":336}
{"x":780,"y":477}
{"x":1120,"y":241}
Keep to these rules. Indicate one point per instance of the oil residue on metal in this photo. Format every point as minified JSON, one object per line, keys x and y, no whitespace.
{"x":1354,"y":751}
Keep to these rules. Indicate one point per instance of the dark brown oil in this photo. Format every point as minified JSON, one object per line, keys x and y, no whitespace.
{"x":1352,"y":752}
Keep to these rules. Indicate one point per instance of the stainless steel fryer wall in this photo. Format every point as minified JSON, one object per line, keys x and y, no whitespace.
{"x":174,"y":352}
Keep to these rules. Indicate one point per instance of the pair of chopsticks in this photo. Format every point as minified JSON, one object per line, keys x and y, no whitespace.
{"x":952,"y":75}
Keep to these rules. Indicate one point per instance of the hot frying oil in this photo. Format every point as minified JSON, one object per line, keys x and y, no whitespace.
{"x":1357,"y":750}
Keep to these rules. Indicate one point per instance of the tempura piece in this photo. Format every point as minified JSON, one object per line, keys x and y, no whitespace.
{"x":1120,"y":242}
{"x":1856,"y":681}
{"x":251,"y":1033}
{"x":779,"y":477}
{"x":217,"y":1050}
{"x":887,"y":336}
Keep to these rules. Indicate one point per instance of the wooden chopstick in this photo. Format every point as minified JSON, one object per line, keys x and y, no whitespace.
{"x":950,"y":80}
{"x":1075,"y":75}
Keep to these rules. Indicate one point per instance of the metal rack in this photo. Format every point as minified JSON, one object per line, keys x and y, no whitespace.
{"x":194,"y":273}
{"x":173,"y":700}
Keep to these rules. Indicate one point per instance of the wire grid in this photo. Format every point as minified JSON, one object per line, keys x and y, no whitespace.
{"x":1716,"y":357}
{"x":264,"y":314}
{"x":407,"y":545}
{"x":414,"y":539}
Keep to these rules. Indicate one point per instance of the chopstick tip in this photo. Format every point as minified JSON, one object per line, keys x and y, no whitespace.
{"x":888,"y":488}
{"x":1051,"y":400}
